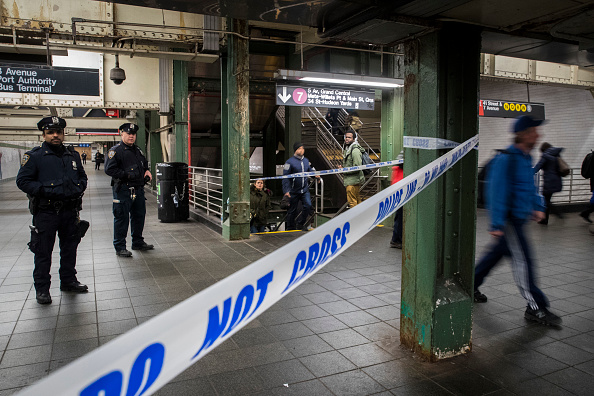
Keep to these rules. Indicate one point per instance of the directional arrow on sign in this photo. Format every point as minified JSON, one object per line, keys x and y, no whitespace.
{"x":284,"y":97}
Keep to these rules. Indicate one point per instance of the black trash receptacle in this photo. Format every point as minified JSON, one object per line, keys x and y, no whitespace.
{"x":173,"y":192}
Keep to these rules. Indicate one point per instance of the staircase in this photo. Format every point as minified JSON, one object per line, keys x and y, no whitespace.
{"x":316,"y":134}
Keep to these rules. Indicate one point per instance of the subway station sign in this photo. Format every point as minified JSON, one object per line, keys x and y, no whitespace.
{"x":340,"y":98}
{"x":55,"y":80}
{"x":509,"y":109}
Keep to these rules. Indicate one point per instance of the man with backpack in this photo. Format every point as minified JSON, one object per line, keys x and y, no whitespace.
{"x":512,"y":200}
{"x":588,"y":173}
{"x":352,"y":155}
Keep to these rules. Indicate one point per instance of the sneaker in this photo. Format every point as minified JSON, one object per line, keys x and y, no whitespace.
{"x":479,"y":297}
{"x":43,"y":297}
{"x":395,"y":245}
{"x":123,"y":253}
{"x":144,"y":246}
{"x":585,"y":216}
{"x":543,"y":316}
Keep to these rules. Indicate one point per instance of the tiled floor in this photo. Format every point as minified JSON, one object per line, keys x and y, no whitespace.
{"x":337,"y":334}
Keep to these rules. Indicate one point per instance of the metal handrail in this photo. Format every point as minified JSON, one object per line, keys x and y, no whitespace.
{"x":206,"y":190}
{"x":575,"y":190}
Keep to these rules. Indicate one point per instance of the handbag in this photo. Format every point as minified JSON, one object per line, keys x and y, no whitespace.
{"x":564,"y":169}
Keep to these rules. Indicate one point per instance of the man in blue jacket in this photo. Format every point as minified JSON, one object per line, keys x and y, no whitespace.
{"x":512,"y":200}
{"x":297,"y":188}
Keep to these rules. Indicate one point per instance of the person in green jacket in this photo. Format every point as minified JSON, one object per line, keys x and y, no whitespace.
{"x":259,"y":206}
{"x":352,"y":156}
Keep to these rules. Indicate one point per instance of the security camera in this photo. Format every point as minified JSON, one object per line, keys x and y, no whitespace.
{"x":117,"y":74}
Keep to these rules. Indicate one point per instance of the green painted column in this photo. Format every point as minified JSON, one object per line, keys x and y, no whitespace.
{"x":392,"y":129}
{"x":235,"y":143}
{"x":142,"y":130}
{"x":440,"y":100}
{"x":155,"y":150}
{"x":292,"y":114}
{"x":180,"y":102}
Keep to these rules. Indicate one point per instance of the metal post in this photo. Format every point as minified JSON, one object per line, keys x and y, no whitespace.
{"x":207,"y":192}
{"x":440,"y":96}
{"x":235,"y":139}
{"x":180,"y":102}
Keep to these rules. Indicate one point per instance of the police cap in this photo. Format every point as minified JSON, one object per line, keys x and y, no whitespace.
{"x":51,"y":123}
{"x":129,"y":128}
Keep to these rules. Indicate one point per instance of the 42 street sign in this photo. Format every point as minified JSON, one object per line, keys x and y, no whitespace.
{"x":509,"y":109}
{"x":289,"y":95}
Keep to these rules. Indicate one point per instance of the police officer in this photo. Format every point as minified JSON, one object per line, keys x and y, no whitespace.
{"x":53,"y":177}
{"x":129,"y":170}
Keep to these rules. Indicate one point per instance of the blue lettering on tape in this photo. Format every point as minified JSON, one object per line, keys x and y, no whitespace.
{"x":311,"y":258}
{"x":243,"y":305}
{"x":151,"y":359}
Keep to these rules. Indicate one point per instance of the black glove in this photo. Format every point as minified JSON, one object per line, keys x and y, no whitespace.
{"x":147,"y":179}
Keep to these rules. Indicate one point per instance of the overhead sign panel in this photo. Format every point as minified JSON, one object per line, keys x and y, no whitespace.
{"x":509,"y":109}
{"x":340,"y":98}
{"x":55,"y":80}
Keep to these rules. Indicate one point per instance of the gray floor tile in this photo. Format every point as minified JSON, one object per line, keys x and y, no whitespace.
{"x":352,"y":383}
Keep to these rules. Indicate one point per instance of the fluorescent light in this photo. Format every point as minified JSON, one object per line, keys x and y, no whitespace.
{"x":339,"y":79}
{"x":351,"y":82}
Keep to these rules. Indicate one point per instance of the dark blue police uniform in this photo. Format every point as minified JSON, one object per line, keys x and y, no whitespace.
{"x":127,"y":166}
{"x":54,"y":179}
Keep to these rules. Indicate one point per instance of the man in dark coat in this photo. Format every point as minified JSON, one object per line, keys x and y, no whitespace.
{"x":552,"y":182}
{"x":129,"y":169}
{"x":53,"y":177}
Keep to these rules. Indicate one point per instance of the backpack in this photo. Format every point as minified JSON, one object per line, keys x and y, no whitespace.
{"x":366,"y":160}
{"x":587,"y":165}
{"x":564,"y":169}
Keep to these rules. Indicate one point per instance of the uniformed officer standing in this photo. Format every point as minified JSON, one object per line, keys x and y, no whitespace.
{"x":129,"y":170}
{"x":53,"y":177}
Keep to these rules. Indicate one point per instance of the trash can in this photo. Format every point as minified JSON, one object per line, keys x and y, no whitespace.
{"x":173,"y":192}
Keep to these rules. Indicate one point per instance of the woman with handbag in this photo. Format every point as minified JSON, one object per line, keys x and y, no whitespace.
{"x":552,"y":174}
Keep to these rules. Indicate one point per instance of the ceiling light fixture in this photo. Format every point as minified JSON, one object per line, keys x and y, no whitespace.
{"x":339,"y":79}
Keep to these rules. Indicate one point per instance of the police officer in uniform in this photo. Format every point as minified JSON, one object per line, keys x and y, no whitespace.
{"x":129,"y":170}
{"x":53,"y":177}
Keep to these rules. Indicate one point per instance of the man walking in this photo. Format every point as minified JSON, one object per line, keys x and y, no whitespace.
{"x":53,"y":177}
{"x":297,"y":189}
{"x":129,"y":170}
{"x":83,"y":156}
{"x":352,"y":156}
{"x":512,"y":200}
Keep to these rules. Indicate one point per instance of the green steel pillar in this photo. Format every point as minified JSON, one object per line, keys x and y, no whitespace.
{"x":440,"y":100}
{"x":155,"y":150}
{"x":392,"y":126}
{"x":235,"y":142}
{"x":269,"y":147}
{"x":142,"y":130}
{"x":180,"y":101}
{"x":292,"y":115}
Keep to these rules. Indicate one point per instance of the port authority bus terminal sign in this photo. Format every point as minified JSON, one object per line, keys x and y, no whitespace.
{"x":340,"y":98}
{"x":509,"y":109}
{"x":54,"y":80}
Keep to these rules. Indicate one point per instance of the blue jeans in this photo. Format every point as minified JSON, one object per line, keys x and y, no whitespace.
{"x":126,"y":211}
{"x":254,"y":229}
{"x":515,"y":244}
{"x":305,"y":199}
{"x":397,"y":233}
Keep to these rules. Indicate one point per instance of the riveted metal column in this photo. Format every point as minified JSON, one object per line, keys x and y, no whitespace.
{"x":292,"y":116}
{"x":142,"y":130}
{"x":392,"y":126}
{"x":180,"y":102}
{"x":235,"y":142}
{"x":440,"y":100}
{"x":155,"y":150}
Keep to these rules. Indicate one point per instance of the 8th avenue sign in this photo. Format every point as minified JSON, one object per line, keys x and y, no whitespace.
{"x":57,"y":80}
{"x":289,"y":95}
